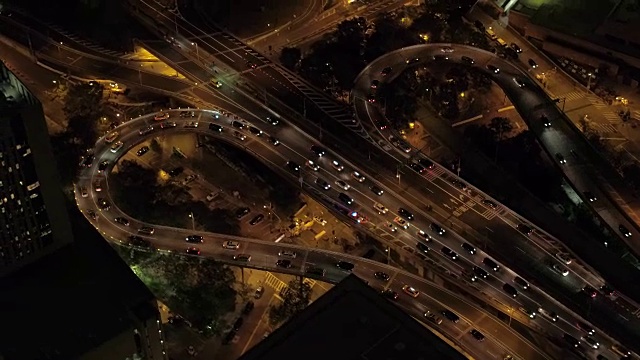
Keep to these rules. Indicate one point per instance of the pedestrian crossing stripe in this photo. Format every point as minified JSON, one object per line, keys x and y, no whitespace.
{"x":279,"y":285}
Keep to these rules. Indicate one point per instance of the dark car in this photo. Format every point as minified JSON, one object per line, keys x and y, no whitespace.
{"x":386,"y":71}
{"x":405,"y":214}
{"x":376,"y":190}
{"x":624,"y":231}
{"x":229,"y":337}
{"x":450,"y":315}
{"x":469,"y":248}
{"x":256,"y":219}
{"x":509,"y":289}
{"x":248,"y":307}
{"x":381,"y":275}
{"x":440,"y":57}
{"x":345,"y":198}
{"x":143,"y":150}
{"x":193,"y":251}
{"x":422,"y":247}
{"x":237,"y":124}
{"x":532,"y":64}
{"x":194,"y":239}
{"x":477,"y":335}
{"x":417,"y":168}
{"x":585,"y":327}
{"x":318,"y":151}
{"x":607,"y":290}
{"x":412,"y":61}
{"x":449,"y":253}
{"x":283,"y":263}
{"x":437,"y":229}
{"x":345,"y":265}
{"x":467,"y":60}
{"x":274,"y":141}
{"x":216,"y":128}
{"x":272,"y":121}
{"x":295,"y":168}
{"x":426,"y":163}
{"x":489,"y":203}
{"x":571,"y":340}
{"x":177,"y":171}
{"x":516,"y":48}
{"x":479,"y":25}
{"x":521,"y":282}
{"x":480,"y":272}
{"x":255,"y":131}
{"x":242,"y":212}
{"x":88,"y":161}
{"x":390,"y":294}
{"x":238,"y":324}
{"x":122,"y":220}
{"x":525,"y":229}
{"x":590,"y":291}
{"x":493,"y":69}
{"x":135,"y":240}
{"x":103,"y":166}
{"x":491,"y":264}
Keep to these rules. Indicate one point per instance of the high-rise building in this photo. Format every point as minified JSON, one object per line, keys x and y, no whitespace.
{"x":33,"y":222}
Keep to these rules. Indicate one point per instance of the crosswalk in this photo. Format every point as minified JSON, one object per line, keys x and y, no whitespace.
{"x":278,"y":285}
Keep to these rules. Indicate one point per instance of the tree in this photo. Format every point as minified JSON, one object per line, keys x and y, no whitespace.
{"x":500,"y":126}
{"x":388,"y":35}
{"x":83,"y":107}
{"x":136,"y":188}
{"x":67,"y":155}
{"x":290,"y":57}
{"x":295,"y":298}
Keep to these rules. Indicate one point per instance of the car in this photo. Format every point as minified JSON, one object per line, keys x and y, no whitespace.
{"x":191,"y":125}
{"x":295,"y":168}
{"x":480,"y":272}
{"x":476,"y":335}
{"x":432,"y":317}
{"x":479,"y":25}
{"x":83,"y":192}
{"x":284,"y":263}
{"x":564,"y":257}
{"x":216,"y":84}
{"x":620,"y":350}
{"x":146,"y":230}
{"x":255,"y":131}
{"x":287,"y":253}
{"x":417,"y":168}
{"x":624,"y":231}
{"x":590,"y":291}
{"x":423,"y":235}
{"x":357,"y":176}
{"x":437,"y":229}
{"x":560,"y":158}
{"x":545,"y":121}
{"x":469,"y":248}
{"x":240,"y":136}
{"x":135,"y":240}
{"x":323,"y":184}
{"x":450,"y":315}
{"x":446,"y":49}
{"x":243,"y":258}
{"x":550,"y":315}
{"x":560,"y":269}
{"x":593,"y":343}
{"x":242,"y":212}
{"x":117,"y":146}
{"x":532,"y":64}
{"x":530,"y":313}
{"x":601,"y":357}
{"x":233,"y":245}
{"x":375,"y":83}
{"x":343,"y":185}
{"x":381,"y":276}
{"x":401,"y":222}
{"x":145,"y":130}
{"x":390,"y":294}
{"x":142,"y":150}
{"x":518,"y":82}
{"x":312,"y":165}
{"x":390,"y":226}
{"x":318,"y":151}
{"x":449,"y":253}
{"x":411,"y":291}
{"x":274,"y":141}
{"x":412,"y":61}
{"x":248,"y":307}
{"x":521,"y":282}
{"x":509,"y":289}
{"x":376,"y":190}
{"x":193,"y":251}
{"x":272,"y":121}
{"x":345,"y":265}
{"x":491,"y":264}
{"x":607,"y":290}
{"x":493,"y":69}
{"x":589,"y":196}
{"x":336,"y":165}
{"x":186,"y":114}
{"x":458,"y":184}
{"x":386,"y":71}
{"x":515,"y":47}
{"x":405,"y":214}
{"x":97,"y":185}
{"x":161,"y":116}
{"x":256,"y":220}
{"x":371,"y":98}
{"x":88,"y":160}
{"x":469,"y":276}
{"x":467,"y":60}
{"x":216,"y":128}
{"x":422,"y":247}
{"x":440,"y":57}
{"x":345,"y":198}
{"x":238,"y":125}
{"x":122,"y":220}
{"x":212,"y":195}
{"x":176,"y":171}
{"x":111,"y":137}
{"x":489,"y":203}
{"x":525,"y":229}
{"x":194,"y":239}
{"x":168,"y":125}
{"x":571,"y":340}
{"x":381,"y":209}
{"x":427,"y":164}
{"x":189,"y":179}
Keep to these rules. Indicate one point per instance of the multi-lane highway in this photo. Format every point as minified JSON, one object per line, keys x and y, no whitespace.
{"x":296,"y":148}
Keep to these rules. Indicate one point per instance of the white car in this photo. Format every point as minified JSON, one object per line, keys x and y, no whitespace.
{"x":381,"y":209}
{"x":357,"y":176}
{"x":401,"y":222}
{"x":231,"y":245}
{"x":212,"y":195}
{"x":548,"y":314}
{"x":591,"y":341}
{"x":518,"y":82}
{"x":320,"y":220}
{"x":411,"y":291}
{"x":391,"y":227}
{"x":83,"y":192}
{"x":336,"y":165}
{"x":564,"y":257}
{"x":446,"y":49}
{"x":384,"y":145}
{"x":117,"y":146}
{"x":343,"y":185}
{"x":560,"y":269}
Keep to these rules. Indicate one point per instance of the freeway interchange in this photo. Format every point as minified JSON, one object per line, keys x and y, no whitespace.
{"x":412,"y":191}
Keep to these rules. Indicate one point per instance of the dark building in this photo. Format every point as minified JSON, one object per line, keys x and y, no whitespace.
{"x":64,"y":292}
{"x":352,"y":321}
{"x":31,"y":223}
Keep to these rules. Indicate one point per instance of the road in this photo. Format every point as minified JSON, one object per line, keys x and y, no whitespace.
{"x":293,"y":147}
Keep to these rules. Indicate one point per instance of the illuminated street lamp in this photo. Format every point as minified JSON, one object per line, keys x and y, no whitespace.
{"x":197,"y":53}
{"x":193,"y":221}
{"x":589,"y":82}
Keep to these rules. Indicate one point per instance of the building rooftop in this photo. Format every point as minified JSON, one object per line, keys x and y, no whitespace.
{"x":70,"y":301}
{"x":352,"y":321}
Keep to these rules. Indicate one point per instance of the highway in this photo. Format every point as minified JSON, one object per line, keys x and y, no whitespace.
{"x":296,"y":149}
{"x":387,"y":170}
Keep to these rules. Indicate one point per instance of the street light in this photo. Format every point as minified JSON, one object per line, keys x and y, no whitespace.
{"x":197,"y":53}
{"x":193,"y":221}
{"x":589,"y":82}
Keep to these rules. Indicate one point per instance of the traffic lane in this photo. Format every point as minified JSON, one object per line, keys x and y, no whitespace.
{"x":265,"y":81}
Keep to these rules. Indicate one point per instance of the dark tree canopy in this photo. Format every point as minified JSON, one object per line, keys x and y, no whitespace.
{"x":295,"y":298}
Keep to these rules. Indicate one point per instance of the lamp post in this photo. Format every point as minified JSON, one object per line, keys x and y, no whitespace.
{"x":193,"y":221}
{"x":197,"y":52}
{"x":398,"y":173}
{"x":589,"y":82}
